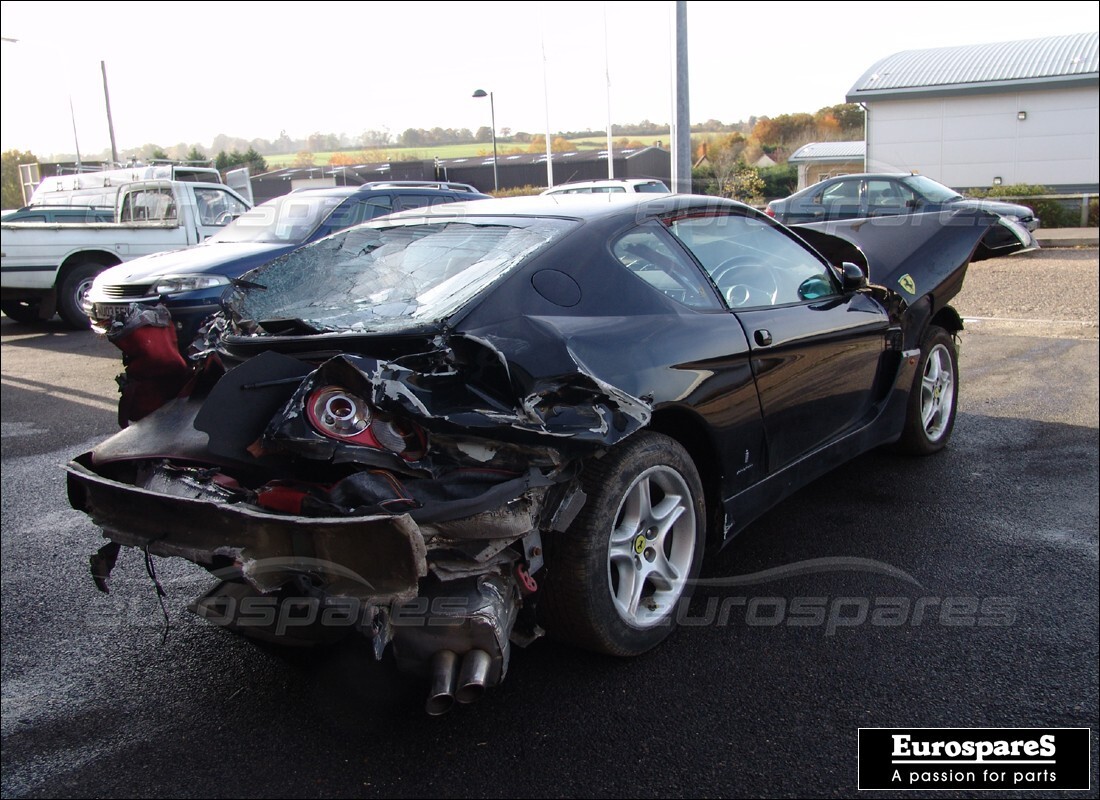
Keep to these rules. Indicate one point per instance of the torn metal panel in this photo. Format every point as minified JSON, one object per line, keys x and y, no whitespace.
{"x":379,"y":559}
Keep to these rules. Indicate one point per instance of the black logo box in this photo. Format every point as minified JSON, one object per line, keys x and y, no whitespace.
{"x":1070,"y":770}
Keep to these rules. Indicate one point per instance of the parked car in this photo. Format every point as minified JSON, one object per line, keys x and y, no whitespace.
{"x":470,"y":423}
{"x":880,"y":195}
{"x":190,"y":282}
{"x":627,"y":185}
{"x":48,"y":269}
{"x":60,"y":214}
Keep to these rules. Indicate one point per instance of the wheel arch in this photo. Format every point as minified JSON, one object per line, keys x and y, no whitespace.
{"x":948,"y":319}
{"x":104,"y":258}
{"x":692,"y":434}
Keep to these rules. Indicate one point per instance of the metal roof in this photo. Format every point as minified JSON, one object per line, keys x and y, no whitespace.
{"x":829,"y":151}
{"x":1051,"y":62}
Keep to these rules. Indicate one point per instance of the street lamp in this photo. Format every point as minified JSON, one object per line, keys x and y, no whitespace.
{"x":493,"y":119}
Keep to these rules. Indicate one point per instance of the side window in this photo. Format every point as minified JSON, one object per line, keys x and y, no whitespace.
{"x":149,"y":205}
{"x":217,"y":207}
{"x":887,"y":194}
{"x":841,"y":193}
{"x":645,"y":252}
{"x":408,"y":201}
{"x":375,"y":206}
{"x":752,"y":262}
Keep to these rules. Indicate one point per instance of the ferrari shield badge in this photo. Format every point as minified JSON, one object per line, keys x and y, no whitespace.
{"x":907,"y":283}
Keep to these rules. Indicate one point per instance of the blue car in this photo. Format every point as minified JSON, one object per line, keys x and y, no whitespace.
{"x":190,"y":282}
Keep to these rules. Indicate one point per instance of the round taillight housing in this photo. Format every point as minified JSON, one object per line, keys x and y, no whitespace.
{"x":338,"y":413}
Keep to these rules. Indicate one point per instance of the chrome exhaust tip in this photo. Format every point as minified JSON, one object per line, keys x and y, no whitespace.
{"x":444,"y":673}
{"x":473,"y":676}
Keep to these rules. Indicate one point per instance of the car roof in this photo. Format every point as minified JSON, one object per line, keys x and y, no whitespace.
{"x":570,"y":206}
{"x":563,"y":187}
{"x":390,"y":188}
{"x":866,"y":175}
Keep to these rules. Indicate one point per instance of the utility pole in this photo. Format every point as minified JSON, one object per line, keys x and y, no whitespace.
{"x":110,"y":122}
{"x":681,"y":122}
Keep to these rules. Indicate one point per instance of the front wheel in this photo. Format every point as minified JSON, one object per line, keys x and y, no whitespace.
{"x":71,"y":294}
{"x":934,"y":396}
{"x":617,"y":578}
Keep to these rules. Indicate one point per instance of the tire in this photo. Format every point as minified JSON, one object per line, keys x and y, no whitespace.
{"x":71,"y":293}
{"x":22,"y":311}
{"x":617,"y":578}
{"x":934,"y":397}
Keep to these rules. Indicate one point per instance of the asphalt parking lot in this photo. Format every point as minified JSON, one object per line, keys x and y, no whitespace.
{"x":747,"y":699}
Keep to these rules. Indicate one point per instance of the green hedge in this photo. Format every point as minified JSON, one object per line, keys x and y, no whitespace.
{"x":1053,"y":213}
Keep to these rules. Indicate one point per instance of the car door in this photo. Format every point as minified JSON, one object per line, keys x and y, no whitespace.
{"x":815,"y":350}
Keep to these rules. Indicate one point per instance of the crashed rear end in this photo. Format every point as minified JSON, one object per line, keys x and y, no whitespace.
{"x":334,"y":490}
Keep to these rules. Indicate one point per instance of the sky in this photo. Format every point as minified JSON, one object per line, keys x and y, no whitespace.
{"x":187,"y":71}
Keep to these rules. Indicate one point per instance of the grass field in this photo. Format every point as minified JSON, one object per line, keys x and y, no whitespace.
{"x":447,"y":151}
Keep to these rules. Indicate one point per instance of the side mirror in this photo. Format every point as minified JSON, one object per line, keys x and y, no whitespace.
{"x":852,"y":277}
{"x":913,"y":203}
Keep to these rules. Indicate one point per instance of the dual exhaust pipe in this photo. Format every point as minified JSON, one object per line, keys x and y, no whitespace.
{"x":452,"y":683}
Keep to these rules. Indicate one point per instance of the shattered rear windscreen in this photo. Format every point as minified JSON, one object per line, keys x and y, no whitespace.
{"x":374,"y":278}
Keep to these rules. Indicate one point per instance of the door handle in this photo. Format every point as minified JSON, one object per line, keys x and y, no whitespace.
{"x":763,"y":337}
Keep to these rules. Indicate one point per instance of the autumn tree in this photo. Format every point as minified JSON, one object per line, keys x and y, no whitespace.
{"x":785,"y":129}
{"x":724,"y":156}
{"x":745,"y":185}
{"x":347,"y":159}
{"x":847,"y":118}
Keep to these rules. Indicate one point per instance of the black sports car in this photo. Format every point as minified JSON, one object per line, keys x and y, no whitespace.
{"x":453,"y":429}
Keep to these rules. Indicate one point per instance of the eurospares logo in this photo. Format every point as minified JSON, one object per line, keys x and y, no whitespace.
{"x":949,"y":759}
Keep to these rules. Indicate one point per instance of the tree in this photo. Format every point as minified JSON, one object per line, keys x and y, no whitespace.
{"x":780,"y":180}
{"x":251,"y":159}
{"x":346,"y":159}
{"x":303,"y":159}
{"x":373,"y":139}
{"x":195,"y":154}
{"x":484,"y":134}
{"x":254,"y":161}
{"x":412,"y":137}
{"x":848,"y":117}
{"x":9,"y":169}
{"x":745,"y":185}
{"x":724,"y":157}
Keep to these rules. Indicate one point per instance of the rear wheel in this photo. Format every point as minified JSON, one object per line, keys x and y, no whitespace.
{"x":73,"y":290}
{"x":24,"y":311}
{"x":617,"y":578}
{"x":934,"y":396}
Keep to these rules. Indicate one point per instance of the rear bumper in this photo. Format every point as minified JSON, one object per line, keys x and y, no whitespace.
{"x":373,"y":559}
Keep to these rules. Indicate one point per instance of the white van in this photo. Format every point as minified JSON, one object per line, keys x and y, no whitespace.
{"x":610,"y":186}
